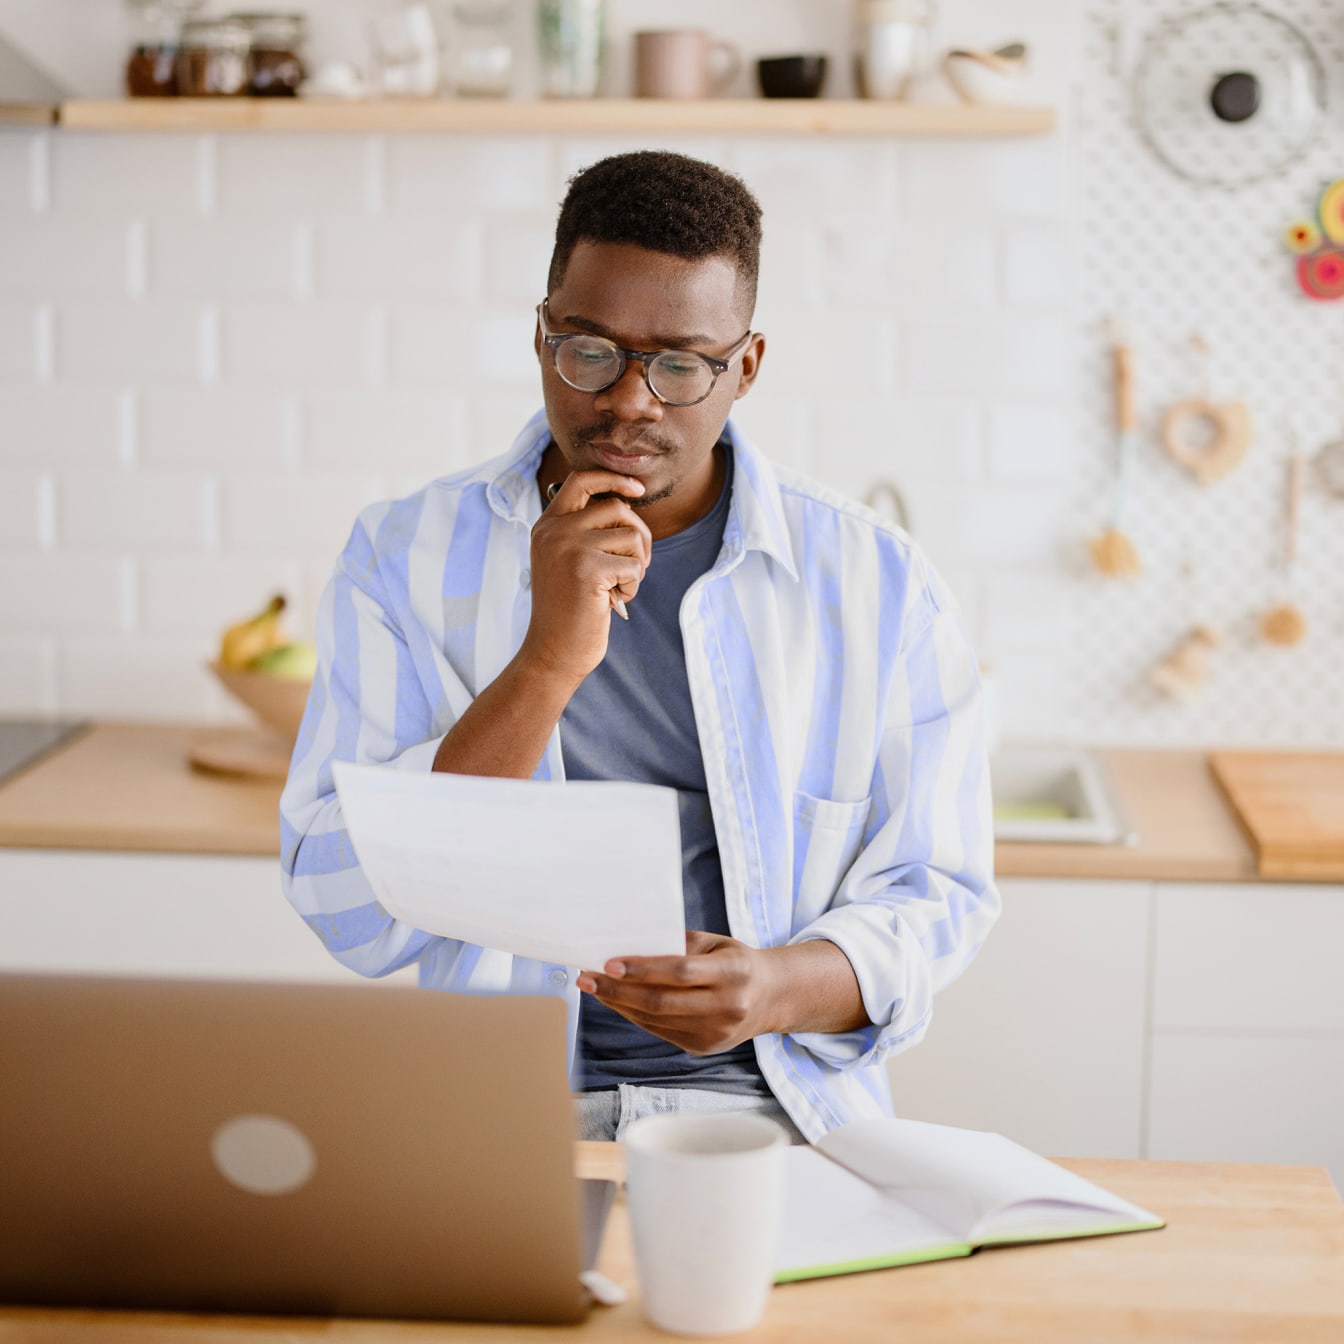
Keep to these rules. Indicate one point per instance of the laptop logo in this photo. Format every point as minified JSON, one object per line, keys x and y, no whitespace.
{"x":263,"y":1154}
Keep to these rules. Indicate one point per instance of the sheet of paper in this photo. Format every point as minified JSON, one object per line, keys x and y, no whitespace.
{"x":574,"y":873}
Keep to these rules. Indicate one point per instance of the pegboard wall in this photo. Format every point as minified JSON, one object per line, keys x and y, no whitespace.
{"x":1173,"y":258}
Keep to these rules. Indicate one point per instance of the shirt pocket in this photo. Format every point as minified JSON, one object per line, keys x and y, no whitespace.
{"x":827,"y":838}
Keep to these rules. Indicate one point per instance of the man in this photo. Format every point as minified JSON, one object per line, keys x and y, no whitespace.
{"x":633,"y":593}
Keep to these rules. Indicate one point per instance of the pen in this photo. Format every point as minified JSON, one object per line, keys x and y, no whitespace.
{"x":617,"y":604}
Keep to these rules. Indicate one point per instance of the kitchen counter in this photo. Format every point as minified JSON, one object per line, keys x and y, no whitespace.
{"x":122,"y":786}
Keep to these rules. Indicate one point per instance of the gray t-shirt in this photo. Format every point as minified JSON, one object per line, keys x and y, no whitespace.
{"x":632,"y":719}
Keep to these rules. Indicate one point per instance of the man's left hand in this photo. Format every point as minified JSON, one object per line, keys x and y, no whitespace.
{"x":718,"y":995}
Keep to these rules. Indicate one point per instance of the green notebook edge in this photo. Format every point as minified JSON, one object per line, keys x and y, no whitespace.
{"x":954,"y":1251}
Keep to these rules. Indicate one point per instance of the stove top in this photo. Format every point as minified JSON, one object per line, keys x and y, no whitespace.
{"x":24,"y":741}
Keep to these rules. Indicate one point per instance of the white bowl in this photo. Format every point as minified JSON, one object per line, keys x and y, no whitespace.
{"x":984,"y":78}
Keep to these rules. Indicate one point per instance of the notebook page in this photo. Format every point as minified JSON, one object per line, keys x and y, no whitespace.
{"x":571,"y":873}
{"x":986,"y":1172}
{"x":836,"y":1223}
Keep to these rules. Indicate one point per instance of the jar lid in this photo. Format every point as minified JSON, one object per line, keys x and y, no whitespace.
{"x":211,"y":33}
{"x":273,"y":28}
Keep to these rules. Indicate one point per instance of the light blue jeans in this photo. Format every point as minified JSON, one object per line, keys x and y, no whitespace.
{"x":607,"y":1114}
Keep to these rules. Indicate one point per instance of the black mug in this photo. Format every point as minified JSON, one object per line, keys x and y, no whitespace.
{"x":791,"y":76}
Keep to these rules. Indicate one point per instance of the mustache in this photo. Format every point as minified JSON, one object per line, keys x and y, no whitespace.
{"x":646,"y":441}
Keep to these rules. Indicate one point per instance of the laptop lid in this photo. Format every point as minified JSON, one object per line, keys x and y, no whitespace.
{"x":276,"y":1148}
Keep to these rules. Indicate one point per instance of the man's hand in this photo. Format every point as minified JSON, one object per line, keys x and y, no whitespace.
{"x":723,"y":992}
{"x":586,"y":551}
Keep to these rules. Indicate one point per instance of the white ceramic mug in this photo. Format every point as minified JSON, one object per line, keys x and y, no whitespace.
{"x":706,"y":1196}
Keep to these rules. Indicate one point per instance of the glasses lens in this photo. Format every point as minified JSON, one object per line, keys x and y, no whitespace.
{"x":588,"y":363}
{"x":680,"y":377}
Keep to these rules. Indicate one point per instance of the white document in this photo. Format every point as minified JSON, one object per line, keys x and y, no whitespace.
{"x":573,"y":873}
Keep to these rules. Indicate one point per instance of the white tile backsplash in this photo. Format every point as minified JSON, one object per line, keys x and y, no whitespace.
{"x":383,"y":260}
{"x":284,"y":329}
{"x":394,"y":429}
{"x":18,"y":340}
{"x":20,"y":507}
{"x":291,"y":176}
{"x":292,"y":515}
{"x":16,"y":172}
{"x":90,"y":258}
{"x":198,"y":427}
{"x":94,"y":175}
{"x":141,"y":511}
{"x":298,"y":345}
{"x":116,"y":342}
{"x":217,"y":260}
{"x":27,"y":675}
{"x":63,"y":594}
{"x":58,"y":425}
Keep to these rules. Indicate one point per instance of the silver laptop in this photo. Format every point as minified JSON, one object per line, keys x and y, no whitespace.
{"x":273,"y":1148}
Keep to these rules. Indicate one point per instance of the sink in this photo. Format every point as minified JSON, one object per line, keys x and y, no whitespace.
{"x":1053,"y":795}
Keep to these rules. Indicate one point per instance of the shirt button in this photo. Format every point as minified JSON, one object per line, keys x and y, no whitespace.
{"x":559,"y":977}
{"x":525,"y":578}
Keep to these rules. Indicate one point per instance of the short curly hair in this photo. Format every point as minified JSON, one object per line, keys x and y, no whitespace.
{"x":667,"y":203}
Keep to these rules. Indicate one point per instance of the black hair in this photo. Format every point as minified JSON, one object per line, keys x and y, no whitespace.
{"x":667,"y":203}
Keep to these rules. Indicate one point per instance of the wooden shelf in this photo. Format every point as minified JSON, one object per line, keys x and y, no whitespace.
{"x":27,"y":114}
{"x":798,"y":116}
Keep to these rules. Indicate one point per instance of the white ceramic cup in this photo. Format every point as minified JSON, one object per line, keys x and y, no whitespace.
{"x":706,"y":1195}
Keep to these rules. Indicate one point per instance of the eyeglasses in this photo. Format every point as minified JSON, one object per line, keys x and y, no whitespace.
{"x":593,"y":364}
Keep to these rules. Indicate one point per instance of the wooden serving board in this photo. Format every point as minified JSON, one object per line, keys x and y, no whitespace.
{"x":1291,"y":804}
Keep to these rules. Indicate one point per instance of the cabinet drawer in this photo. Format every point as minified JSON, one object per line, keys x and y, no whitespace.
{"x":1042,"y":1038}
{"x":157,"y":914}
{"x":1258,"y":958}
{"x":1248,"y":1099}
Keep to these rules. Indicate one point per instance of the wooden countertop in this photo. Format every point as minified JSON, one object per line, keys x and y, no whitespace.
{"x":1249,"y":1253}
{"x":129,"y":787}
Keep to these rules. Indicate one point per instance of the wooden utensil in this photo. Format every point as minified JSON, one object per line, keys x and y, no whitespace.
{"x":1209,"y":439}
{"x":1285,"y":625}
{"x":1112,"y":552}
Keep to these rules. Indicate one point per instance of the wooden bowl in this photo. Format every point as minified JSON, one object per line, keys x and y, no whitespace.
{"x":278,"y":702}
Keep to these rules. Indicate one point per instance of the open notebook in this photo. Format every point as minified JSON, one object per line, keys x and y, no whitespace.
{"x":877,"y":1193}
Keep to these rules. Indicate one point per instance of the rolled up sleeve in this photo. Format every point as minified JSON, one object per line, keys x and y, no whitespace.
{"x":367,"y":704}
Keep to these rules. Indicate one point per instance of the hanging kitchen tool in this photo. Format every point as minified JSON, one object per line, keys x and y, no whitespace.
{"x":1209,"y":439}
{"x":1186,"y":667}
{"x":1229,"y":94}
{"x":1284,"y":624}
{"x":1112,"y":552}
{"x":1319,"y":245}
{"x":1330,"y":467}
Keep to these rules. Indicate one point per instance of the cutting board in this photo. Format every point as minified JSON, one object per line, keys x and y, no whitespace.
{"x":1291,"y":804}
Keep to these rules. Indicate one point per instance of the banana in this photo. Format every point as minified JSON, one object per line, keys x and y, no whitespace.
{"x":291,"y":662}
{"x":240,"y":644}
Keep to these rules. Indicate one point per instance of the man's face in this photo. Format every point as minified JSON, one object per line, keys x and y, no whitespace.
{"x":643,"y":300}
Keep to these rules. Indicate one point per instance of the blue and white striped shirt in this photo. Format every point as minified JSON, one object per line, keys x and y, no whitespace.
{"x":838,"y":707}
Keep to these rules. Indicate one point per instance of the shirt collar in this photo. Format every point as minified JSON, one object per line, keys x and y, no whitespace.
{"x":755,"y":512}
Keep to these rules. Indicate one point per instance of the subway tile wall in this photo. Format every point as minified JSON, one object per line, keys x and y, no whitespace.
{"x":214,"y":350}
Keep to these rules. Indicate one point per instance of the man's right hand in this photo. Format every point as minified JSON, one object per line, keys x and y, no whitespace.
{"x":586,"y":552}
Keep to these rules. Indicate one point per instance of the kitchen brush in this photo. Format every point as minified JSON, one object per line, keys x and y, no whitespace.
{"x":1112,"y":551}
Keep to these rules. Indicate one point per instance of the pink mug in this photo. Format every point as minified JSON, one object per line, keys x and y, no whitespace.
{"x":677,"y":63}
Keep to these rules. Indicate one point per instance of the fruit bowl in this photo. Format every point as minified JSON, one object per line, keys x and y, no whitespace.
{"x":277,"y":701}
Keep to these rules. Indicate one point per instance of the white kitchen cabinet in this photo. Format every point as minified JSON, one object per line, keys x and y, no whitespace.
{"x":1042,"y":1039}
{"x":1248,"y":1024}
{"x":157,"y":914}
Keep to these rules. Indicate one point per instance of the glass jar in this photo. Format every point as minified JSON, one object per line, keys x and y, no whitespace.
{"x":571,"y":35}
{"x":481,"y":62}
{"x":212,"y":61}
{"x":155,"y":26}
{"x":275,"y":56}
